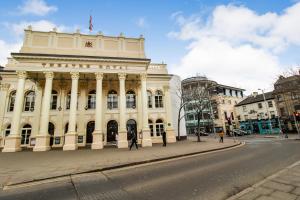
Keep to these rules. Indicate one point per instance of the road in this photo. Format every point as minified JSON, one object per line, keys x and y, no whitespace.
{"x":211,"y":176}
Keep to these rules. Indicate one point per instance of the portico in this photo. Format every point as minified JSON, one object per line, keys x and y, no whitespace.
{"x":81,"y":94}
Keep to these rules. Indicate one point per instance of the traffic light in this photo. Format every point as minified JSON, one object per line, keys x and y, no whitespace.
{"x":297,"y":116}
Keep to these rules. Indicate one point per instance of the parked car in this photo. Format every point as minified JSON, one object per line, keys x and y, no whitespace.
{"x":202,"y":133}
{"x":239,"y":132}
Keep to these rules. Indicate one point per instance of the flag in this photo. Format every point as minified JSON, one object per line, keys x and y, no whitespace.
{"x":91,"y":24}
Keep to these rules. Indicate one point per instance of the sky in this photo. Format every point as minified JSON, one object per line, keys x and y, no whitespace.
{"x":244,"y":44}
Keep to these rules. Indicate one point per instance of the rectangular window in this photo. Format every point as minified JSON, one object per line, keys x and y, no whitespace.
{"x":272,"y":113}
{"x":279,"y":97}
{"x":159,"y":129}
{"x":158,"y":102}
{"x":259,"y":105}
{"x":244,"y":108}
{"x":270,"y":104}
{"x":112,"y":101}
{"x":149,"y":101}
{"x":151,"y":129}
{"x":53,"y":102}
{"x":282,"y":111}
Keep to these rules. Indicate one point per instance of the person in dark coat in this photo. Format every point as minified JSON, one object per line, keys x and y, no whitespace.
{"x":133,"y":140}
{"x":164,"y":138}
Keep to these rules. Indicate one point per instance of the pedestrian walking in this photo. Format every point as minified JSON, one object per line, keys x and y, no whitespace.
{"x":133,"y":140}
{"x":221,"y":134}
{"x":164,"y":138}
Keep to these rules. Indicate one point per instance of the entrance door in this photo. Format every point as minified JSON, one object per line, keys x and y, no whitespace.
{"x":51,"y":129}
{"x":131,"y":126}
{"x":112,"y":130}
{"x":90,"y":127}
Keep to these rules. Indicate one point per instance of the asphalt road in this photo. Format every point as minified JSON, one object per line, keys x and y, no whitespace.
{"x":210,"y":176}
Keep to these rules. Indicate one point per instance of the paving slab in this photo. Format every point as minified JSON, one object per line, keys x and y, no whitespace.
{"x":284,"y":184}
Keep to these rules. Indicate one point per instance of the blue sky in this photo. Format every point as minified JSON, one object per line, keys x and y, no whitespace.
{"x":177,"y":32}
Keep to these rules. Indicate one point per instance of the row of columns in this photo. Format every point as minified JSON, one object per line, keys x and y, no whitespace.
{"x":13,"y":141}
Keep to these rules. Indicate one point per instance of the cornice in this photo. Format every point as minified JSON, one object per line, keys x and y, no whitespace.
{"x":78,"y":58}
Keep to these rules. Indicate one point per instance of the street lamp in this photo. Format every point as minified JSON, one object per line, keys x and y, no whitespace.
{"x":263,"y":93}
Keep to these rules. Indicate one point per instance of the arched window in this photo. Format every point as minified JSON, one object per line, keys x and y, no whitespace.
{"x":29,"y":101}
{"x":112,"y":99}
{"x":149,"y":94}
{"x":7,"y":130}
{"x":159,"y":127}
{"x":12,"y":99}
{"x":150,"y":123}
{"x":53,"y":102}
{"x":92,"y":100}
{"x":158,"y":99}
{"x":130,"y":99}
{"x":26,"y":132}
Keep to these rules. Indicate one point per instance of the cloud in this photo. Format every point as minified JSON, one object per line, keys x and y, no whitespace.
{"x":17,"y":29}
{"x":36,"y":7}
{"x":235,"y":45}
{"x":6,"y":49}
{"x":41,"y":25}
{"x":141,"y":22}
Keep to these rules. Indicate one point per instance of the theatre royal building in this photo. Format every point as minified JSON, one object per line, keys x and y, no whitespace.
{"x":70,"y":90}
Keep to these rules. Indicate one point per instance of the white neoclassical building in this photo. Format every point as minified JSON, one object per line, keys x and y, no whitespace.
{"x":71,"y":90}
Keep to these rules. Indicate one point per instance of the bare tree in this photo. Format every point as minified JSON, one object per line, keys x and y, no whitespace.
{"x":198,"y":98}
{"x":181,"y":97}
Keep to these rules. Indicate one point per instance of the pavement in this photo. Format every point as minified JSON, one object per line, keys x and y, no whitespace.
{"x":28,"y":166}
{"x":284,"y":185}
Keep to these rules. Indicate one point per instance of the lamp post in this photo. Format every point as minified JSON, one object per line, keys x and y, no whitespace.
{"x":263,"y":93}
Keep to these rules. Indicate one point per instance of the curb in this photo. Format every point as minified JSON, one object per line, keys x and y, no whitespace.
{"x":256,"y":185}
{"x":64,"y":177}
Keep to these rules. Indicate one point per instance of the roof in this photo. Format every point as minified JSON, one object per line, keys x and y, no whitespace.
{"x":205,"y":79}
{"x":230,"y":87}
{"x":254,"y":99}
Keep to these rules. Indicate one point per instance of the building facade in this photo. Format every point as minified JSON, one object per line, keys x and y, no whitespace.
{"x":287,"y":98}
{"x":220,"y":114}
{"x":70,"y":90}
{"x":258,"y":114}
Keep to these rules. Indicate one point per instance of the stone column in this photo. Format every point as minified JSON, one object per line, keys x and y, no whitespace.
{"x":71,"y":135}
{"x":122,"y":135}
{"x":3,"y":97}
{"x":98,"y":132}
{"x":13,"y":141}
{"x":43,"y":138}
{"x":169,"y":122}
{"x":146,"y":138}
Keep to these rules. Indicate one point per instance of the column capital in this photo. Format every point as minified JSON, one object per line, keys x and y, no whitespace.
{"x":143,"y":77}
{"x":74,"y":75}
{"x":4,"y":86}
{"x":122,"y":76}
{"x":49,"y":75}
{"x":21,"y":74}
{"x":99,"y":75}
